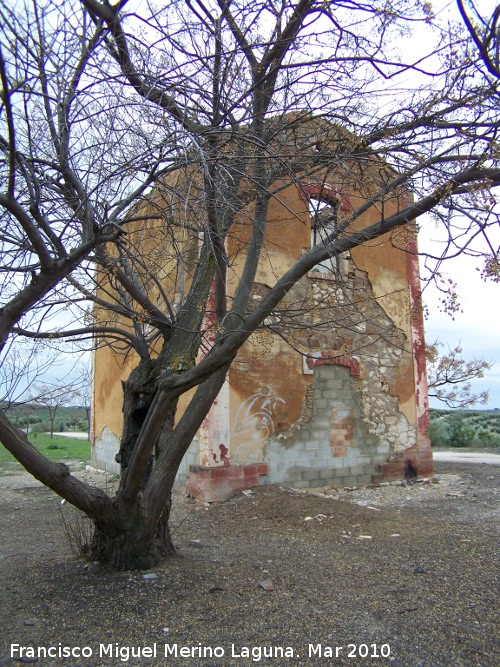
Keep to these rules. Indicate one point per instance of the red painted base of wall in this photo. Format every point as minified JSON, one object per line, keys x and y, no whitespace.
{"x":395,"y":470}
{"x":213,"y":484}
{"x":390,"y":472}
{"x":426,"y":467}
{"x":216,"y":484}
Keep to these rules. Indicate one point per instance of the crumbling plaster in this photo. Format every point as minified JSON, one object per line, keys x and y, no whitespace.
{"x":297,"y":406}
{"x":347,"y":419}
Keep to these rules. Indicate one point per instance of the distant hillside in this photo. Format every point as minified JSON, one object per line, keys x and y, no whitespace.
{"x":465,"y":428}
{"x":37,"y":418}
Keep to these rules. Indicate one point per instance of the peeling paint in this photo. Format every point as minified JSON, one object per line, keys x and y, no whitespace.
{"x":348,"y":400}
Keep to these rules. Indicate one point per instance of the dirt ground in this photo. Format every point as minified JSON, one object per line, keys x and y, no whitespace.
{"x":396,"y":575}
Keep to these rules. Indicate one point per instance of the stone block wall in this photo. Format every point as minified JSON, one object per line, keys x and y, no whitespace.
{"x":332,"y":445}
{"x":104,"y":450}
{"x":350,"y":432}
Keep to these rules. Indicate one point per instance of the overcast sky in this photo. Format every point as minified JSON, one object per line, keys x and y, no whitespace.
{"x":476,"y":328}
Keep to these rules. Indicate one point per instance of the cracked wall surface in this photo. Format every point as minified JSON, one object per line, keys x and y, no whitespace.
{"x":331,"y":390}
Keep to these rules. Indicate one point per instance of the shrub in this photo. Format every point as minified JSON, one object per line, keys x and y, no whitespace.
{"x":461,"y":434}
{"x":484,"y":438}
{"x":438,"y":433}
{"x":40,"y":427}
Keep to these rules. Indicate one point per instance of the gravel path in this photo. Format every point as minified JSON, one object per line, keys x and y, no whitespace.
{"x":467,"y":457}
{"x":408,"y":569}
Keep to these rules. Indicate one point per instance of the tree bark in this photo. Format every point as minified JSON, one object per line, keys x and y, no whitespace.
{"x":129,"y":542}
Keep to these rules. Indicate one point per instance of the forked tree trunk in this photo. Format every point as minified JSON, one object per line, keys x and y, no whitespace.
{"x":137,"y":536}
{"x":130,"y":543}
{"x":132,"y":540}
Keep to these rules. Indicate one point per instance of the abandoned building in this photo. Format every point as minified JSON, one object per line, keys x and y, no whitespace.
{"x":334,"y":396}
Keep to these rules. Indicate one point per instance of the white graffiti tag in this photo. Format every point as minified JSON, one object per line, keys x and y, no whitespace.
{"x":254,"y":423}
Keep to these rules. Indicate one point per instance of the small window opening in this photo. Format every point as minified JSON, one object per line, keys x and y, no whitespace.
{"x":324,"y":220}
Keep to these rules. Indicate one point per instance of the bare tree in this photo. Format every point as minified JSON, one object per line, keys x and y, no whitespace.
{"x":247,"y":99}
{"x":22,"y":363}
{"x":52,"y":398}
{"x":83,"y":392}
{"x":450,"y":376}
{"x":68,"y":171}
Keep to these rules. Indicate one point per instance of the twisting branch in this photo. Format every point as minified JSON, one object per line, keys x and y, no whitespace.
{"x":487,"y":40}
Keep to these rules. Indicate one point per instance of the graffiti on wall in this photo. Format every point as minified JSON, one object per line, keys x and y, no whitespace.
{"x":253,"y":424}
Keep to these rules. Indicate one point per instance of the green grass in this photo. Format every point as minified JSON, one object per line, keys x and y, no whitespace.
{"x":55,"y":449}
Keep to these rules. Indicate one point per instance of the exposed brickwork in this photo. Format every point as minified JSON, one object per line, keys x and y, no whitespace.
{"x":390,"y":471}
{"x":423,"y":454}
{"x":341,"y":433}
{"x":425,"y":466}
{"x":321,"y":416}
{"x":335,"y":447}
{"x":321,"y":190}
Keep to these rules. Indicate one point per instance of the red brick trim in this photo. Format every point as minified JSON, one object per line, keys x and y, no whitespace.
{"x":324,"y":192}
{"x":330,"y":357}
{"x":390,"y":471}
{"x":424,"y":463}
{"x":395,"y":470}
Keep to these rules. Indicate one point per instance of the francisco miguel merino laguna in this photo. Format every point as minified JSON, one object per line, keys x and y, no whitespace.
{"x":124,"y":653}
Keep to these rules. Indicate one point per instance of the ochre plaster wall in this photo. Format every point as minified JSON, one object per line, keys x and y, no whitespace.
{"x":309,"y":420}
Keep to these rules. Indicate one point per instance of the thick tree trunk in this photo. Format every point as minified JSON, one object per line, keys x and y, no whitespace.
{"x":130,"y":542}
{"x":138,"y":394}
